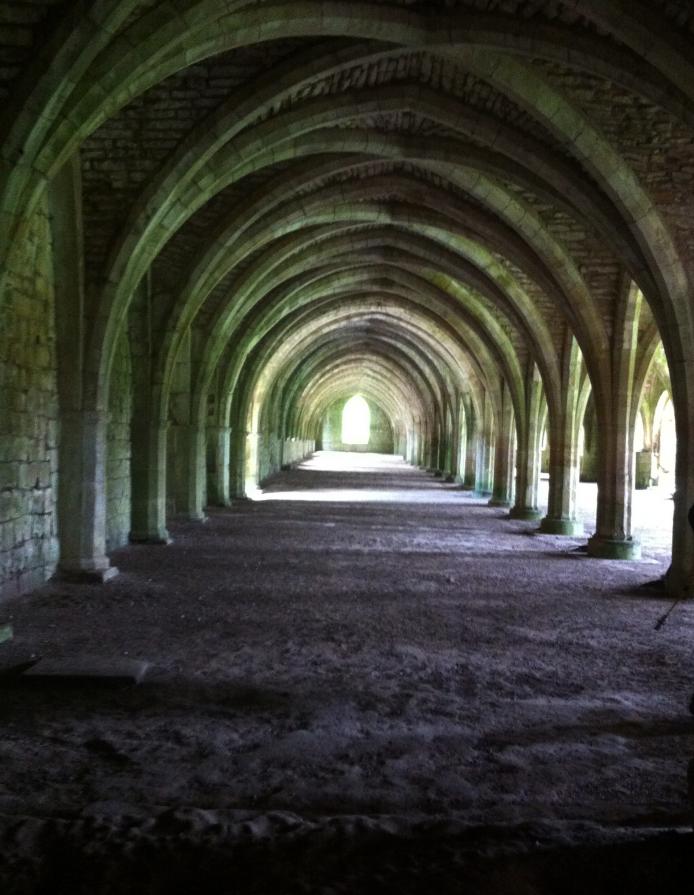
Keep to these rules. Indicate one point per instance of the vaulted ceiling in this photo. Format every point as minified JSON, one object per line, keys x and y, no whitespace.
{"x":416,"y":200}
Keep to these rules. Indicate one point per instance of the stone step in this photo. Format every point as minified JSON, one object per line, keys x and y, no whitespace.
{"x":87,"y":670}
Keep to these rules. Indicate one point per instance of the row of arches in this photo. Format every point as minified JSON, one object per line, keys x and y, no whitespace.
{"x":410,"y":203}
{"x":467,"y":435}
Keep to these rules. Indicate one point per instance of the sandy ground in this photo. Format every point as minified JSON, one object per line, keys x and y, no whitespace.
{"x":364,"y":680}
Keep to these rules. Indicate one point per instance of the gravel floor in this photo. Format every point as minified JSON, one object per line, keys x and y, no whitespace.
{"x":366,"y":657}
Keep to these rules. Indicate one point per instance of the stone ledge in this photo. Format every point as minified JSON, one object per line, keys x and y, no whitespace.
{"x":104,"y":671}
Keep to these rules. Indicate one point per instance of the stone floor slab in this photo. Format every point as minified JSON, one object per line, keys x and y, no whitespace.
{"x":103,"y":671}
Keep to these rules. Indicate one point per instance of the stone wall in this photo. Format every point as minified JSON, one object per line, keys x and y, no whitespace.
{"x":274,"y":454}
{"x":28,"y":415}
{"x":268,"y":455}
{"x":380,"y":437}
{"x":119,"y":449}
{"x":295,"y":450}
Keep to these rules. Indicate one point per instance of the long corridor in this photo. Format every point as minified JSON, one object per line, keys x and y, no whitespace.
{"x":361,"y":651}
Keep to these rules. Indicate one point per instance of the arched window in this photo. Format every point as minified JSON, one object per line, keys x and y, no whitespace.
{"x":356,"y":421}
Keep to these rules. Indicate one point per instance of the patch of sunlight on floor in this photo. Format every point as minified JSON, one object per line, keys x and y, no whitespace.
{"x":356,"y":461}
{"x":365,"y":477}
{"x":387,"y":478}
{"x":372,"y":495}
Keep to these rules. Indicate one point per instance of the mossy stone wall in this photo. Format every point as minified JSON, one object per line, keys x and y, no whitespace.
{"x":28,"y":415}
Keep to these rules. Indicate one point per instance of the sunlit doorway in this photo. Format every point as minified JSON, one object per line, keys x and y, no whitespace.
{"x":356,"y":421}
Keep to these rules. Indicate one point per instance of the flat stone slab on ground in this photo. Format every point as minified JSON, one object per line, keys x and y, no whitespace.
{"x":100,"y":670}
{"x":15,"y":664}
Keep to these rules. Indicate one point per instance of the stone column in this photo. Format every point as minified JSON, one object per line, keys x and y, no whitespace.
{"x":82,"y":445}
{"x":237,"y":484}
{"x":187,"y":436}
{"x":455,"y":439}
{"x":452,"y":443}
{"x":588,"y":471}
{"x":459,"y":441}
{"x":563,"y":450}
{"x":644,"y":461}
{"x":148,"y":467}
{"x":418,"y":440}
{"x":612,"y":538}
{"x":219,"y":452}
{"x":503,"y":455}
{"x":148,"y":431}
{"x":484,"y":461}
{"x":680,"y":575}
{"x":187,"y":470}
{"x":195,"y":495}
{"x":250,"y":481}
{"x":82,"y":497}
{"x":470,"y":448}
{"x":528,"y":452}
{"x":433,"y":458}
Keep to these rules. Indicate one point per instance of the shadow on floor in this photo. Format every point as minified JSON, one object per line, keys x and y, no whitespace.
{"x":169,"y":857}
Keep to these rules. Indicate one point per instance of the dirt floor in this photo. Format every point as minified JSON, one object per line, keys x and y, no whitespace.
{"x":364,"y":680}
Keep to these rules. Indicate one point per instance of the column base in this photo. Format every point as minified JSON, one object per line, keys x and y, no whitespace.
{"x":499,"y":502}
{"x":569,"y":527}
{"x":87,"y":576}
{"x":161,"y":539}
{"x":215,"y":501}
{"x":679,"y":585}
{"x":450,"y":479}
{"x":528,"y":514}
{"x":609,"y":548}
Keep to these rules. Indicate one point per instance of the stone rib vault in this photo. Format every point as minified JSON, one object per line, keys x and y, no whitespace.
{"x":220,"y":219}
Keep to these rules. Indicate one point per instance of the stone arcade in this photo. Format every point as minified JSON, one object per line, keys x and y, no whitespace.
{"x":222,"y":219}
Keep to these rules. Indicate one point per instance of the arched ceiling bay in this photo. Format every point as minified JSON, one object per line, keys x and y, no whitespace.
{"x":467,"y":180}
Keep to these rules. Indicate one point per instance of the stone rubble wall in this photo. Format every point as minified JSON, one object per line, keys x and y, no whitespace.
{"x":28,"y":415}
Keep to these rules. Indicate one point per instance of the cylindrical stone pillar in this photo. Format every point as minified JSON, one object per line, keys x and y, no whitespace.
{"x":148,"y":470}
{"x":82,"y":497}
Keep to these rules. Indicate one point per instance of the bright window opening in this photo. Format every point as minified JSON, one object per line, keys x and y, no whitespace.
{"x":356,"y":421}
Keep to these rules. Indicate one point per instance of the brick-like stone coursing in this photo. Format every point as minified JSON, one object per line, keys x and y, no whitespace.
{"x":28,"y":416}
